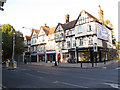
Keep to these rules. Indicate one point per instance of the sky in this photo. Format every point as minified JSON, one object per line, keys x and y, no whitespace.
{"x":35,"y":13}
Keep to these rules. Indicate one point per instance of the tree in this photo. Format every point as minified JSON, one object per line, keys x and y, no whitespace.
{"x":7,"y":42}
{"x":109,"y":24}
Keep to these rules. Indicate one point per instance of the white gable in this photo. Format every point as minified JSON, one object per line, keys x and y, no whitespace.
{"x":84,"y":18}
{"x":34,"y":34}
{"x":41,"y":32}
{"x":59,"y":28}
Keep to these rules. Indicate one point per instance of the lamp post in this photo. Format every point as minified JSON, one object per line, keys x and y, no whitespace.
{"x":13,"y":54}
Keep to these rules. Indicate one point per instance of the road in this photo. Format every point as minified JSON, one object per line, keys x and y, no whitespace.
{"x":31,"y":76}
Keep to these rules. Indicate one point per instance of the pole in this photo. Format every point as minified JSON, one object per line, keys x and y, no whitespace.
{"x":13,"y":47}
{"x":75,"y":54}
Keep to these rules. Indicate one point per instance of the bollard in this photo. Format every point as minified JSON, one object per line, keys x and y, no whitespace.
{"x":56,"y":63}
{"x":81,"y":64}
{"x":92,"y":64}
{"x":104,"y":61}
{"x":96,"y":62}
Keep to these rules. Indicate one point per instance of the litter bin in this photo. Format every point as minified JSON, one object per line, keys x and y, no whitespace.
{"x":15,"y":64}
{"x":7,"y":64}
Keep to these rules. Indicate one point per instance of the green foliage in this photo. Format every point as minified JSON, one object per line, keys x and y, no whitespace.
{"x":108,"y":23}
{"x":7,"y":39}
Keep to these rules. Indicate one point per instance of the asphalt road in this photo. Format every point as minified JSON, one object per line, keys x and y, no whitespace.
{"x":30,"y":76}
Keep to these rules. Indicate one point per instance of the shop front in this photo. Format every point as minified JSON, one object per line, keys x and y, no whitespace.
{"x":27,"y":57}
{"x":65,"y":56}
{"x":51,"y":56}
{"x":71,"y":53}
{"x":41,"y":57}
{"x":88,"y":55}
{"x":34,"y":57}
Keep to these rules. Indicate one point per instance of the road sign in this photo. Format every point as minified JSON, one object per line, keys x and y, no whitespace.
{"x":95,"y":47}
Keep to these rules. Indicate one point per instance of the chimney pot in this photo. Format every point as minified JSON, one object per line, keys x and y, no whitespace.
{"x":67,"y":18}
{"x":45,"y":24}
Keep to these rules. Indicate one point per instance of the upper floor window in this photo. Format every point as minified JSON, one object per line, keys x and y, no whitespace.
{"x":68,"y":44}
{"x":74,"y":43}
{"x":73,"y":31}
{"x":63,"y":44}
{"x":81,"y":41}
{"x":89,"y":28}
{"x":61,"y":35}
{"x":90,"y":41}
{"x":79,"y":29}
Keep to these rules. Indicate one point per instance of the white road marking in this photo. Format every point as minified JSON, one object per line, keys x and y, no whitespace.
{"x":96,"y":79}
{"x":70,"y":84}
{"x":113,"y":85}
{"x":104,"y":67}
{"x":118,"y":68}
{"x":43,"y":72}
{"x":33,"y":75}
{"x":47,"y":72}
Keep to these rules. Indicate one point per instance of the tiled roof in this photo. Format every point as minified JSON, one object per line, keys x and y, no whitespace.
{"x":48,"y":30}
{"x":69,"y":25}
{"x":36,"y":31}
{"x":28,"y":37}
{"x":52,"y":30}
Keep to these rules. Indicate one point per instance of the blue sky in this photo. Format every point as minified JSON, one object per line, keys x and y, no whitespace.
{"x":34,"y":13}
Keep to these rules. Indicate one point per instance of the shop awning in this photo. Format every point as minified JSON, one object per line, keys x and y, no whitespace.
{"x":51,"y":53}
{"x":41,"y":54}
{"x":34,"y":54}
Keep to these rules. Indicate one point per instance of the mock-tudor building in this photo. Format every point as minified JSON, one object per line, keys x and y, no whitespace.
{"x":85,"y":39}
{"x":27,"y":45}
{"x":34,"y":45}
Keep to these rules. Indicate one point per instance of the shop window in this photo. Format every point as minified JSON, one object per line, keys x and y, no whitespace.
{"x":84,"y":56}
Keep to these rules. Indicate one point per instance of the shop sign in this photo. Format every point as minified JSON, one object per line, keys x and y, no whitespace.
{"x":64,"y":51}
{"x":102,"y":32}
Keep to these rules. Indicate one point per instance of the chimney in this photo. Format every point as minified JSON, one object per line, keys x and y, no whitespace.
{"x":100,"y":13}
{"x":67,"y":18}
{"x":45,"y":25}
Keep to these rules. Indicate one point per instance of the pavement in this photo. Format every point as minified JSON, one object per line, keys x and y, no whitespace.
{"x":76,"y":65}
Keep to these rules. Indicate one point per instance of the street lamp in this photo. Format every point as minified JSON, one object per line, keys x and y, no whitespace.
{"x":13,"y":54}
